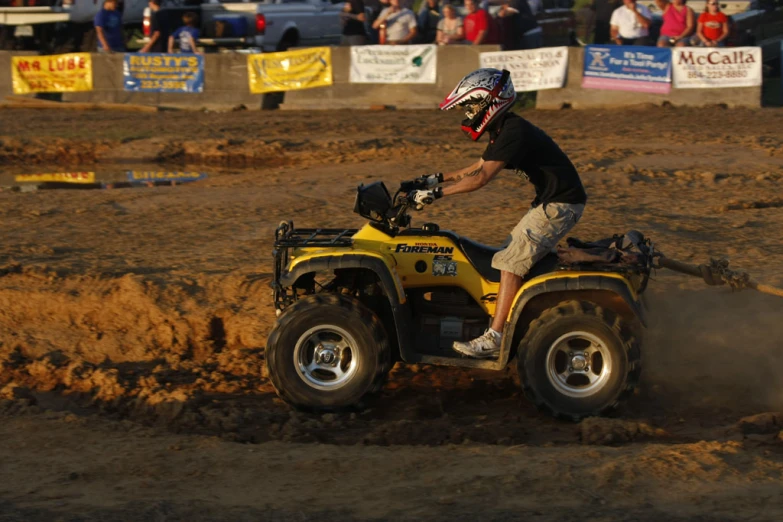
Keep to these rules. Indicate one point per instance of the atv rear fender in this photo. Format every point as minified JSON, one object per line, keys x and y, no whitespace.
{"x":611,"y":291}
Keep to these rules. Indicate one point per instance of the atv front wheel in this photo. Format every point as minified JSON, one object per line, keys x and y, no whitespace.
{"x":327,"y":352}
{"x":579,"y":360}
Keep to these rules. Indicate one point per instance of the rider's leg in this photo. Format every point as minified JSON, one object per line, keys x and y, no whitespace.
{"x":510,"y":284}
{"x":534,"y":236}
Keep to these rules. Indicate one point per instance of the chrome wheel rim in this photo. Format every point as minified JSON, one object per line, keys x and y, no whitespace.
{"x":578,"y":364}
{"x":325,"y":357}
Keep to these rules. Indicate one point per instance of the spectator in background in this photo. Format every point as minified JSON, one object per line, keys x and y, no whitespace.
{"x":429,"y":17}
{"x":156,"y":43}
{"x":396,"y":25}
{"x":379,"y":6}
{"x":677,"y":26}
{"x":519,"y":28}
{"x":630,"y":24}
{"x":186,"y":36}
{"x":108,"y":28}
{"x":450,"y":28}
{"x":603,"y":13}
{"x":712,"y":28}
{"x":353,"y":18}
{"x":480,"y":28}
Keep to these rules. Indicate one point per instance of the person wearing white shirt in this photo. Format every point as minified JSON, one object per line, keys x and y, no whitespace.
{"x":630,"y":24}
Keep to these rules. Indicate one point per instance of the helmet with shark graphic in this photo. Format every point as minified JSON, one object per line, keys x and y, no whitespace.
{"x":485,"y":94}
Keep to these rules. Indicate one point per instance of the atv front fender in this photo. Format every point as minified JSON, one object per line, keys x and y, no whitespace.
{"x":387,"y":276}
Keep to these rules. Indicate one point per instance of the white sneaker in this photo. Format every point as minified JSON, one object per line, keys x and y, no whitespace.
{"x":485,"y":347}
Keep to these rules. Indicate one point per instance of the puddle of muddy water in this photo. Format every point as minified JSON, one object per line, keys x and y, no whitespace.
{"x":87,"y":179}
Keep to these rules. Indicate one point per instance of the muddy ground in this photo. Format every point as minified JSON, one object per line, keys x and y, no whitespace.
{"x":133,"y":325}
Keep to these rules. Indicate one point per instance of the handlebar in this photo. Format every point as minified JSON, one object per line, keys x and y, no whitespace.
{"x":414,"y":184}
{"x":403,"y":202}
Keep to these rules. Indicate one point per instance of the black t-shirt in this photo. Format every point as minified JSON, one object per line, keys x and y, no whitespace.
{"x":354,"y":27}
{"x":523,"y":146}
{"x":160,"y":44}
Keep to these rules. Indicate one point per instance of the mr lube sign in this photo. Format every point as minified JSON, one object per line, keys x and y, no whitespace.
{"x":51,"y":73}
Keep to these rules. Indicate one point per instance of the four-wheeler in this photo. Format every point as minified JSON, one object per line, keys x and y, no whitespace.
{"x":352,"y":302}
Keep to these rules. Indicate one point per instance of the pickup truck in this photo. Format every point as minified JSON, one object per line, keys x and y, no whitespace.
{"x":58,"y":25}
{"x":268,"y":26}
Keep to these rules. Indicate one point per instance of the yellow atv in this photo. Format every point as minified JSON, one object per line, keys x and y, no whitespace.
{"x":352,"y":302}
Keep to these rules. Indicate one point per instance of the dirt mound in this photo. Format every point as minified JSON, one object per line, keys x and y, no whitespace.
{"x":610,"y":431}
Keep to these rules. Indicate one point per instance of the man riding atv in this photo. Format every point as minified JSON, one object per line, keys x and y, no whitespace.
{"x":514,"y":143}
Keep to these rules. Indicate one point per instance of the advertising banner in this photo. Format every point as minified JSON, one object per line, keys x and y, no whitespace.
{"x":711,"y":67}
{"x":290,"y":70}
{"x":394,"y":63}
{"x":627,"y":68}
{"x":139,"y":176}
{"x":56,"y":177}
{"x":159,"y":72}
{"x":531,"y":70}
{"x":53,"y":73}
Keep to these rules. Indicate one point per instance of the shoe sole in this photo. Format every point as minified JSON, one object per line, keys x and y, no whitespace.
{"x":474,"y":356}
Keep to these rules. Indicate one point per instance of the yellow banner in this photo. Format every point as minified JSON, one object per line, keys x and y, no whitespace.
{"x":54,"y":73}
{"x":290,"y":70}
{"x":56,"y":177}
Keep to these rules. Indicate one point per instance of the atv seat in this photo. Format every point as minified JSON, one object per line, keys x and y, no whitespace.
{"x":480,"y":256}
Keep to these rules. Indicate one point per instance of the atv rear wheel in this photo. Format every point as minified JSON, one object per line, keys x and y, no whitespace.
{"x":327,"y":352}
{"x":579,"y":360}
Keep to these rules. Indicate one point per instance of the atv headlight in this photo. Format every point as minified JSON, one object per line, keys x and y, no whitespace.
{"x":372,"y":201}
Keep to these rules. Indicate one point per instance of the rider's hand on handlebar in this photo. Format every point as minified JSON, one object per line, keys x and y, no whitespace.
{"x":425,"y":197}
{"x":433,"y":180}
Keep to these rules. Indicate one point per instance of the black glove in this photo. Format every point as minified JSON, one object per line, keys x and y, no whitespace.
{"x":433,"y":179}
{"x":425,"y":197}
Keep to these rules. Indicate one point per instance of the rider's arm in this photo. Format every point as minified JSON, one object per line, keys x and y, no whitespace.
{"x":459,"y":174}
{"x":473,"y":177}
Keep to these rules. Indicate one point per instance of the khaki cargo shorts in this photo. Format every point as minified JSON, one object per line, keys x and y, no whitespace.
{"x":536,"y":235}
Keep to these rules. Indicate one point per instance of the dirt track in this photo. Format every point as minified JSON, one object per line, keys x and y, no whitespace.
{"x":133,"y":321}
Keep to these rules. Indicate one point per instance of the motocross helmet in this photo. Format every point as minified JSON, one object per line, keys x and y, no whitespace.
{"x":485,"y":94}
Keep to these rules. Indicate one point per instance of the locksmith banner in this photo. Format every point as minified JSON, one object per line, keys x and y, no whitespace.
{"x":394,"y":63}
{"x":627,"y":68}
{"x":160,"y":72}
{"x":711,"y":67}
{"x":52,"y":73}
{"x":531,"y":70}
{"x":290,"y":70}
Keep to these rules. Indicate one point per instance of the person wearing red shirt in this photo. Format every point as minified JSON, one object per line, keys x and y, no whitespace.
{"x":479,"y":26}
{"x":713,"y":26}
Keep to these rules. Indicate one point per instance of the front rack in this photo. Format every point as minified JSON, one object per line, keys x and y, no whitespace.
{"x":287,"y":237}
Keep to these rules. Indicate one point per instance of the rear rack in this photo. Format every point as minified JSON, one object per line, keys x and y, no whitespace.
{"x":286,"y":237}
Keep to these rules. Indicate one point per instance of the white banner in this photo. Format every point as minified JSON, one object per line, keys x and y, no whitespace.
{"x":394,"y":63}
{"x":531,"y":70}
{"x":711,"y":67}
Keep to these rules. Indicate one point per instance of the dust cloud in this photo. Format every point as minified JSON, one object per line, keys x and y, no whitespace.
{"x":715,"y":348}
